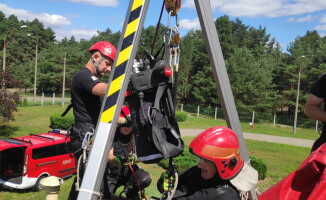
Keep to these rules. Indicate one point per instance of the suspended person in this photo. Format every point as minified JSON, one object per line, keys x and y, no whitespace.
{"x":220,"y":173}
{"x":313,"y":107}
{"x":86,"y":92}
{"x":122,"y":163}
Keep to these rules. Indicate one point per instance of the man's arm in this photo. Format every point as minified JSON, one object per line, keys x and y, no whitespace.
{"x":313,"y":109}
{"x":111,"y":157}
{"x":99,"y":89}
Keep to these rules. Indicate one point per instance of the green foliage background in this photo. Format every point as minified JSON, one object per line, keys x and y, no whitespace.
{"x":263,"y":76}
{"x":180,"y":116}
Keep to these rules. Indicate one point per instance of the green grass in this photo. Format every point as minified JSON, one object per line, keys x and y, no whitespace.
{"x":193,"y":122}
{"x":280,"y":159}
{"x":28,"y":120}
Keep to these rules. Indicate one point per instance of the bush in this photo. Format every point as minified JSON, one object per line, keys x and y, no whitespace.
{"x":180,"y":116}
{"x":59,"y":122}
{"x":24,"y":102}
{"x":182,"y":162}
{"x":260,"y":166}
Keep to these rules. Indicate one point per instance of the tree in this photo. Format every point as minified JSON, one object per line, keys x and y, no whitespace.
{"x":312,"y":47}
{"x":251,"y":81}
{"x":187,"y":49}
{"x":204,"y":91}
{"x":8,"y":100}
{"x":50,"y":70}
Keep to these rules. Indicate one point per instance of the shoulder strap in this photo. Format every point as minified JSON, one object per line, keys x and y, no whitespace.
{"x":161,"y":122}
{"x":67,"y":110}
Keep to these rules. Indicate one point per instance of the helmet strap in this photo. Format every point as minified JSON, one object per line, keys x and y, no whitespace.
{"x":97,"y":64}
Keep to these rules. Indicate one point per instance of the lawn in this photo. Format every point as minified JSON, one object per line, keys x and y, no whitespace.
{"x":193,"y":122}
{"x":280,"y":159}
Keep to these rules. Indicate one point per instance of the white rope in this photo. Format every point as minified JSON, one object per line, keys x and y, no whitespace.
{"x":176,"y":176}
{"x":246,"y":195}
{"x":90,"y":191}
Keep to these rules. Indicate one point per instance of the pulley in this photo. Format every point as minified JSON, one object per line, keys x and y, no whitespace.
{"x":172,"y":5}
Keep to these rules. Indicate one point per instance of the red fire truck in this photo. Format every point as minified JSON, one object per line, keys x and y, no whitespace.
{"x":24,"y":161}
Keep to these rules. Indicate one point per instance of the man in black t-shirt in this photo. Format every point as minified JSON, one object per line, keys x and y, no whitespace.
{"x":86,"y":91}
{"x":313,"y":108}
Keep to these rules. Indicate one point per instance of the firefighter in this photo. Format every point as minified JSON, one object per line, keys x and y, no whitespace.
{"x":220,"y":173}
{"x":122,"y":163}
{"x":86,"y":92}
{"x":315,"y":107}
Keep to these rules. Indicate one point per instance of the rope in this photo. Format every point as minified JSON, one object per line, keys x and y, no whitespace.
{"x":246,"y":195}
{"x":157,"y":27}
{"x":77,"y":181}
{"x":175,"y":63}
{"x":90,"y":191}
{"x":142,"y":194}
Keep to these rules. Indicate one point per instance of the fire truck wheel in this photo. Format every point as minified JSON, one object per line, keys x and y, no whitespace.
{"x":37,"y":185}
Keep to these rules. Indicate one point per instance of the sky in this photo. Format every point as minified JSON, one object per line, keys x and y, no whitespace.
{"x":284,"y":19}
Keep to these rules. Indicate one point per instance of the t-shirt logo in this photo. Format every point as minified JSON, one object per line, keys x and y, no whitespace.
{"x":94,"y":78}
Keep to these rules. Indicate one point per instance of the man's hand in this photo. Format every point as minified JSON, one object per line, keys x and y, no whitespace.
{"x":132,"y":158}
{"x":120,"y":160}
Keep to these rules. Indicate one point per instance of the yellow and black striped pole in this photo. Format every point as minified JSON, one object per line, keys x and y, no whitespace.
{"x":113,"y":101}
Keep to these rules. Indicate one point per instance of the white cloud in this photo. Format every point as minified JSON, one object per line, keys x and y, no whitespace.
{"x":82,"y":33}
{"x":188,"y":4}
{"x":268,"y":8}
{"x":291,"y":19}
{"x":187,"y":24}
{"x":323,"y":20}
{"x":109,"y":3}
{"x":191,"y":4}
{"x":56,"y":22}
{"x":307,"y":18}
{"x":47,"y":19}
{"x":321,"y":27}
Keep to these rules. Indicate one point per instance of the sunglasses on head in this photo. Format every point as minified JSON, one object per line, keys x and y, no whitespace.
{"x":125,"y":125}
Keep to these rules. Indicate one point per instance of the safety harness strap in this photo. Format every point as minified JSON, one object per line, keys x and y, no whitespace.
{"x":67,"y":110}
{"x":97,"y":64}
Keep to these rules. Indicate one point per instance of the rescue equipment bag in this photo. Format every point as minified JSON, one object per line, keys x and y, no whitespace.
{"x":307,"y":182}
{"x":155,"y":128}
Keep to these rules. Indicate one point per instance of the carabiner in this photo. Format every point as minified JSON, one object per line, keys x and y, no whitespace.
{"x":173,"y":32}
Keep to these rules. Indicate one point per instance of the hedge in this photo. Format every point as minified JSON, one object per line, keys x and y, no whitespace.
{"x":260,"y":166}
{"x":180,"y":116}
{"x":64,"y":123}
{"x":182,"y":162}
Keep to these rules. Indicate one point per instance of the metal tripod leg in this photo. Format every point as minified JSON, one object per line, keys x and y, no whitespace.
{"x":220,"y":74}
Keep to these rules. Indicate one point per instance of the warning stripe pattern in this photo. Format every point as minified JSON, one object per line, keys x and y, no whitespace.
{"x":122,"y":60}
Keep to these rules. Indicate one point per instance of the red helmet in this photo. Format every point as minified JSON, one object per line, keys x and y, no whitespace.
{"x":124,"y":118}
{"x":219,"y":145}
{"x":106,"y":48}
